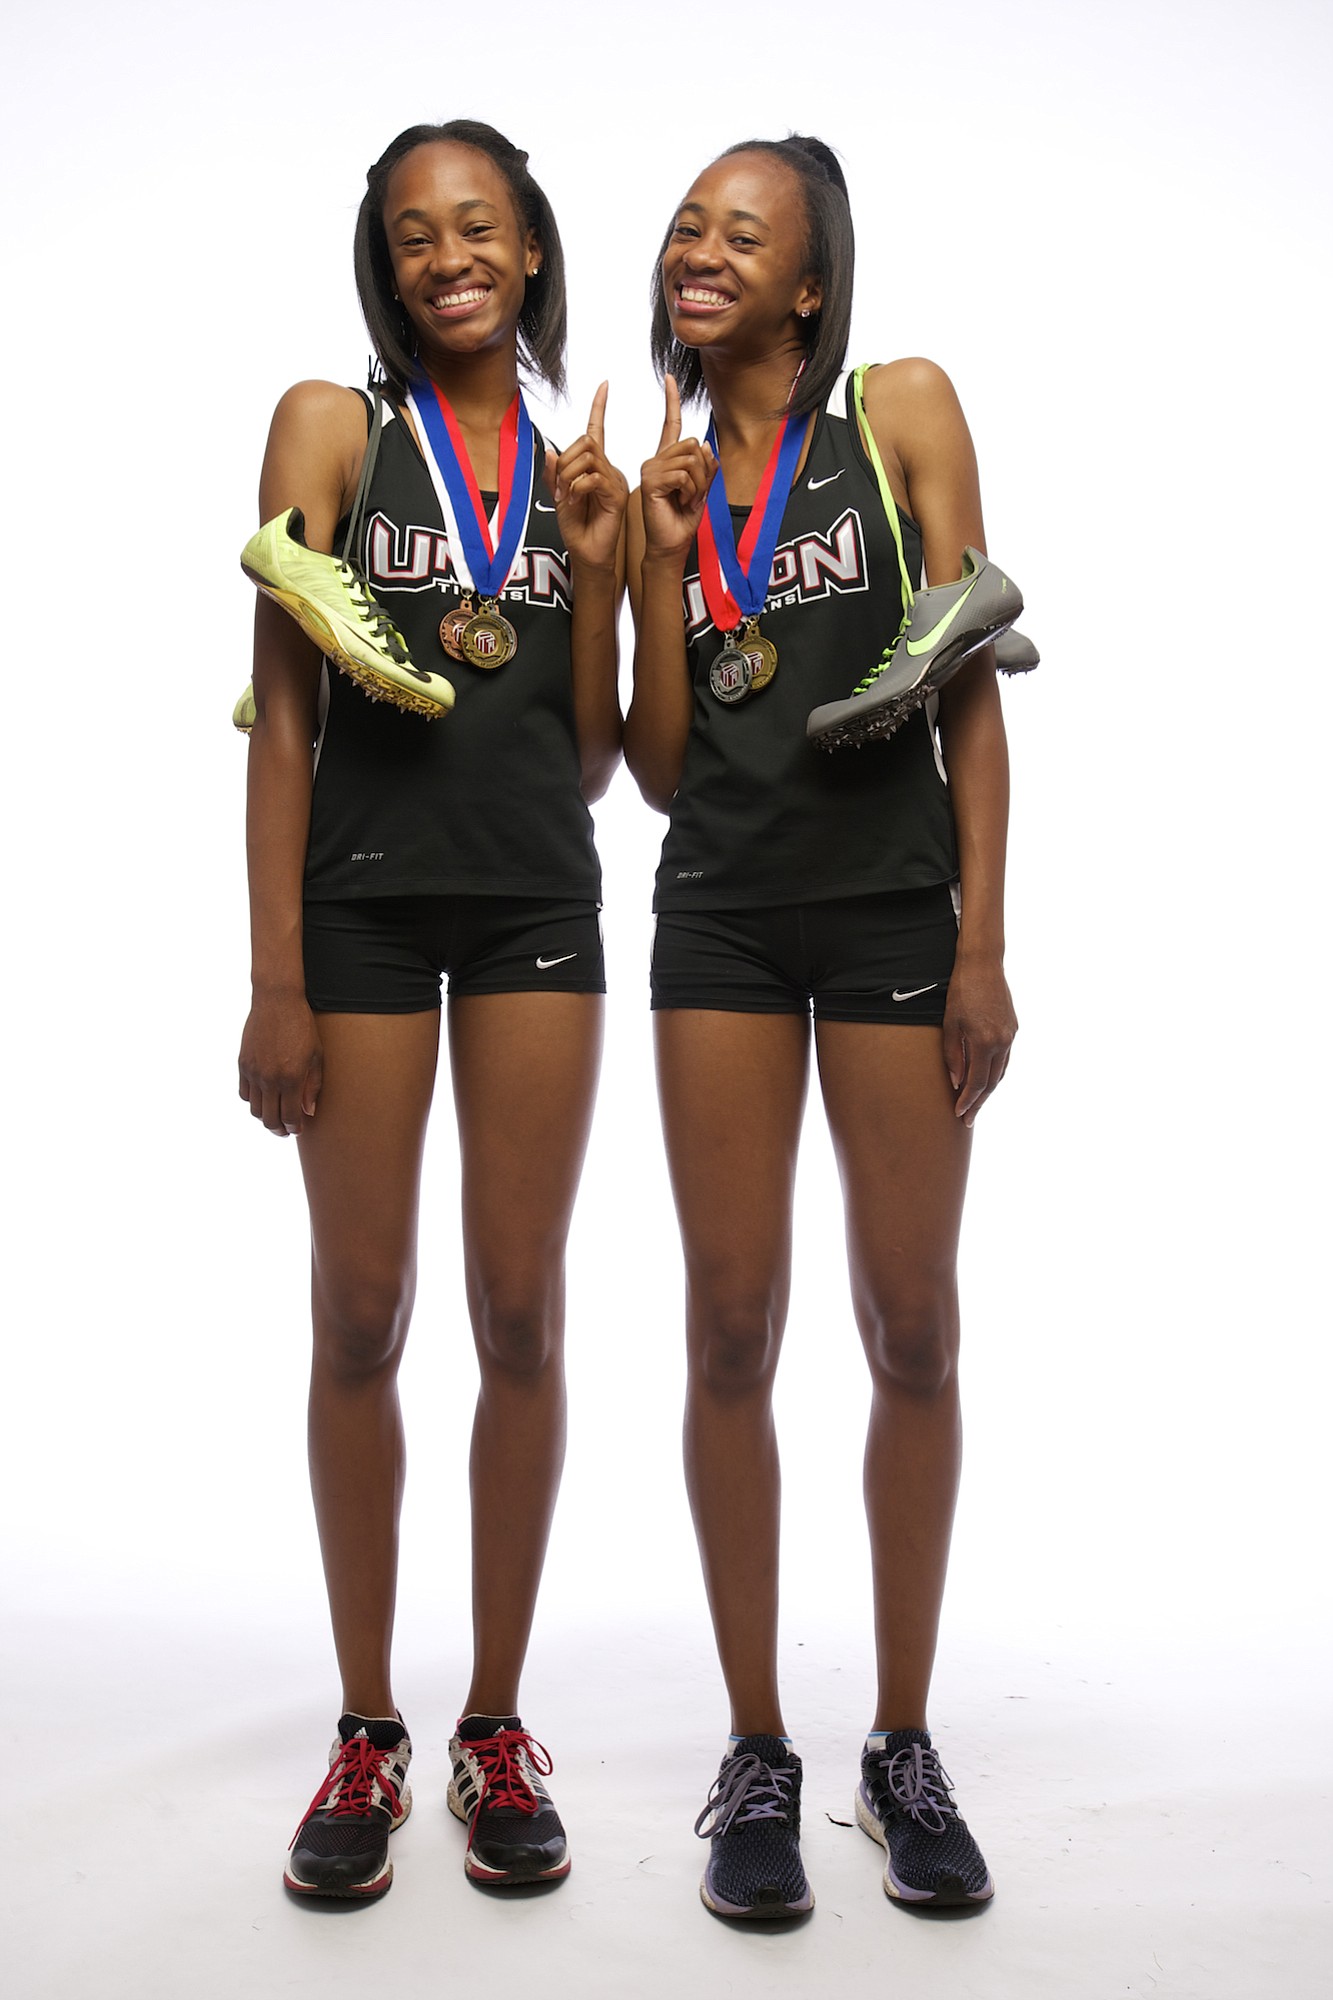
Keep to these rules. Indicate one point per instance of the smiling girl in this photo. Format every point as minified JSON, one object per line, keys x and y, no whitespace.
{"x":764,"y":580}
{"x":405,"y":850}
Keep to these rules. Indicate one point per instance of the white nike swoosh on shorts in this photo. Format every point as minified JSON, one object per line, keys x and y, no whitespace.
{"x":916,"y":990}
{"x":544,"y":964}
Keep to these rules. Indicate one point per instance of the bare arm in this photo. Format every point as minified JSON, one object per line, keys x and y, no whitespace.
{"x":923,"y":437}
{"x":314,"y":451}
{"x":664,"y":515}
{"x":590,"y":495}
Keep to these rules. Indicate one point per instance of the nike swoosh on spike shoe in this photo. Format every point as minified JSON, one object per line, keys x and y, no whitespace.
{"x":927,"y":644}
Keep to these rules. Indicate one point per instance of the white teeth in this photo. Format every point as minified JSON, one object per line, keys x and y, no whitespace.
{"x":695,"y":295}
{"x":460,"y":298}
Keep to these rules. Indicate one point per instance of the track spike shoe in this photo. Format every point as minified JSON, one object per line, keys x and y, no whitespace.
{"x":1015,"y":653}
{"x":945,"y":626}
{"x":331,"y":602}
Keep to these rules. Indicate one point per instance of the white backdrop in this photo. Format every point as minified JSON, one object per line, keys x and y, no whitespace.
{"x":1104,"y":224}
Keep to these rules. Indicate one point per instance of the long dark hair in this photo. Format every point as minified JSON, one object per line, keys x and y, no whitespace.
{"x":830,"y":256}
{"x":542,"y":322}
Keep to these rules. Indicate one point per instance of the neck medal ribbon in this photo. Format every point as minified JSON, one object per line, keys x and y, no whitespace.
{"x":483,"y":553}
{"x":735,"y":577}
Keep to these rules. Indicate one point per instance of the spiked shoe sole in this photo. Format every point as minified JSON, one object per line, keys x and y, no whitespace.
{"x":380,"y":683}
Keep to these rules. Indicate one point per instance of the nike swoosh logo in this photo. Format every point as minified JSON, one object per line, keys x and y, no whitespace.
{"x":813,"y":485}
{"x":544,"y":510}
{"x":543,"y":964}
{"x":937,"y":632}
{"x":915,"y":991}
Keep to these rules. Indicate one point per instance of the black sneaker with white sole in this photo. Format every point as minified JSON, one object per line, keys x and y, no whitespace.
{"x":753,"y":1822}
{"x":341,"y":1847}
{"x":514,"y":1832}
{"x":905,"y":1802}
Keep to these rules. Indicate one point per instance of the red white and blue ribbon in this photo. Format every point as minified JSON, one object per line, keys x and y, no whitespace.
{"x":735,"y":577}
{"x":483,"y":552}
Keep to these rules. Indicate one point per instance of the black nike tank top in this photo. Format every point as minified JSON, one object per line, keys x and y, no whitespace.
{"x":761,"y":817}
{"x":484,"y":800}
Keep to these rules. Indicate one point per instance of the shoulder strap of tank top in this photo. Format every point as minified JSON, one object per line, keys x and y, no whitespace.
{"x":350,"y":539}
{"x":857,"y":399}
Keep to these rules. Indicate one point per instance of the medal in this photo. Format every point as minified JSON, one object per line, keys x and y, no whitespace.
{"x":484,"y":553}
{"x":735,"y":576}
{"x":761,"y":656}
{"x":730,"y":676}
{"x":488,"y":639}
{"x":451,"y":628}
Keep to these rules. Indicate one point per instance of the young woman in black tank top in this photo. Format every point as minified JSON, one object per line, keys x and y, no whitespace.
{"x":752,"y":308}
{"x":460,"y":273}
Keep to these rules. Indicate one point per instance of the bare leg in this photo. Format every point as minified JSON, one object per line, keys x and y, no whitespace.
{"x":732,"y":1089}
{"x":361,"y":1156}
{"x":525,"y":1076}
{"x":903,"y":1158}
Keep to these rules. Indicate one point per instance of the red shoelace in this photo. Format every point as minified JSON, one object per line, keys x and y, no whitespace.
{"x":504,"y":1781}
{"x":357,"y":1769}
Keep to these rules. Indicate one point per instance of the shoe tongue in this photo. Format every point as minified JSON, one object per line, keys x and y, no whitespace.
{"x":472,"y":1728}
{"x":903,"y":1739}
{"x":768,"y":1749}
{"x":384,"y":1731}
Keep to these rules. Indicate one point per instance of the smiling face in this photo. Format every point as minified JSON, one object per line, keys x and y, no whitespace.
{"x":460,"y":258}
{"x":733,"y":271}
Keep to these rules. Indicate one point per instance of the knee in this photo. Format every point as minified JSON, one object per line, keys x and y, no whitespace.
{"x":912,"y":1344}
{"x":361,"y":1325}
{"x":515,"y":1337}
{"x":734,"y":1348}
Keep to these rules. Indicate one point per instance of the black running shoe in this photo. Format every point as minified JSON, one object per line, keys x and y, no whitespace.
{"x":341,"y":1847}
{"x":753,"y":1820}
{"x":904,"y":1801}
{"x":514,"y":1832}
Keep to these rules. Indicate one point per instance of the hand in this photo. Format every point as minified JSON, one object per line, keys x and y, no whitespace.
{"x":281,"y":1062}
{"x":674,"y":485}
{"x":590,"y":494}
{"x":979,"y":1028}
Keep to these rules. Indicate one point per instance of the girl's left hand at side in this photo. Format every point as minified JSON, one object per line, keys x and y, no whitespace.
{"x":979,"y":1028}
{"x":590,"y":493}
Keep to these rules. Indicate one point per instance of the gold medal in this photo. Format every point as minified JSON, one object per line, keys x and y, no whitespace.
{"x":761,"y":655}
{"x":488,"y":639}
{"x":451,"y":628}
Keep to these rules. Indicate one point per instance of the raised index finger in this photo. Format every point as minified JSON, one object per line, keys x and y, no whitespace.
{"x":597,"y":417}
{"x":671,"y":426}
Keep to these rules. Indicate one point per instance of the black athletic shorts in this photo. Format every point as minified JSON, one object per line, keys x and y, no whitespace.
{"x":857,"y":958}
{"x":387,"y":954}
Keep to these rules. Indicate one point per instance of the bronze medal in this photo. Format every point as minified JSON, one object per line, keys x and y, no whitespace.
{"x":488,"y":639}
{"x":451,"y":628}
{"x":730,"y":674}
{"x":761,"y":656}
